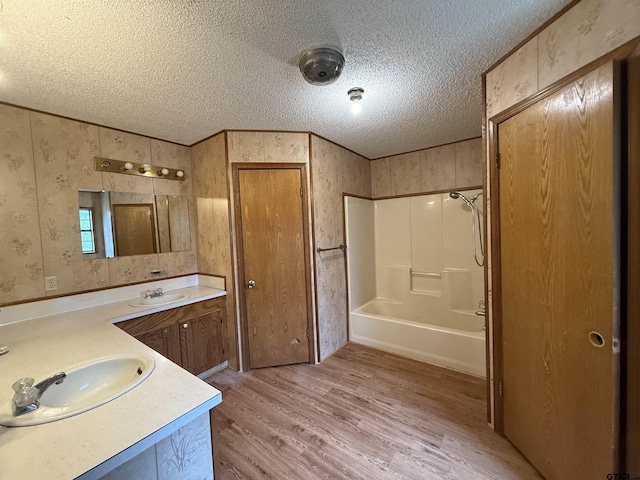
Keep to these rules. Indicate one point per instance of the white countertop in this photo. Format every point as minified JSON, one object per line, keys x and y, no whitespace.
{"x":68,"y":448}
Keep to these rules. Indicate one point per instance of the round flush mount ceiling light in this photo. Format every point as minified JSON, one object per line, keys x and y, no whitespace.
{"x":355,"y":95}
{"x":321,"y":65}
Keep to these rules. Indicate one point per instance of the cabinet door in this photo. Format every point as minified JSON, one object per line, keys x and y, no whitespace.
{"x":163,"y":340}
{"x":201,"y":342}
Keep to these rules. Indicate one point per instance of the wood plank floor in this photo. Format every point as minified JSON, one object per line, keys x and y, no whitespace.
{"x":361,"y":414}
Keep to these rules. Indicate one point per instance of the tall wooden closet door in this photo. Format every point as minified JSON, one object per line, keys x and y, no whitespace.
{"x":557,"y":264}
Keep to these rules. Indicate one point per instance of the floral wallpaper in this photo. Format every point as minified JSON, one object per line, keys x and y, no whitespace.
{"x":63,"y":157}
{"x":405,"y":173}
{"x":268,"y":147}
{"x":183,"y":455}
{"x":587,"y":31}
{"x":50,"y":159}
{"x":213,"y":242}
{"x":21,"y":263}
{"x":335,"y":171}
{"x":438,"y":168}
{"x":186,"y":453}
{"x":468,"y":163}
{"x":381,"y":177}
{"x":514,"y":79}
{"x":456,"y":165}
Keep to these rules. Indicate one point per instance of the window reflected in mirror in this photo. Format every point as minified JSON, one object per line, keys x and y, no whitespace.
{"x":87,"y":237}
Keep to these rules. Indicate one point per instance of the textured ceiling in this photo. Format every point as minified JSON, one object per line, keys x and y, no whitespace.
{"x":182,"y":70}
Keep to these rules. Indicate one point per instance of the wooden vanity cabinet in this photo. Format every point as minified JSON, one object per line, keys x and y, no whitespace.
{"x":162,"y":340}
{"x":190,"y":336}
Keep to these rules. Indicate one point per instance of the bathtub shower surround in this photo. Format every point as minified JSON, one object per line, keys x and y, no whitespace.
{"x":428,"y":287}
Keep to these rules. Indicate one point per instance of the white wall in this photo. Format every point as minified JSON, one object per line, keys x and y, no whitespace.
{"x":361,"y":273}
{"x":456,"y":234}
{"x":431,"y":234}
{"x":426,"y":233}
{"x":392,"y":239}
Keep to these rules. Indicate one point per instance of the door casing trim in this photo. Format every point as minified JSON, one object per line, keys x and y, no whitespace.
{"x":241,"y":294}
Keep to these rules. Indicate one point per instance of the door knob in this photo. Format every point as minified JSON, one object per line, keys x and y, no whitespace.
{"x":251,"y":284}
{"x":186,"y":325}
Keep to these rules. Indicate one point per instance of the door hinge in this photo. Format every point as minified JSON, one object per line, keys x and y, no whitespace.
{"x":497,"y":160}
{"x":300,"y":191}
{"x":500,"y":390}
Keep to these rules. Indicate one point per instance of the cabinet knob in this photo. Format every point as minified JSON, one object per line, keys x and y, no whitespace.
{"x":185,"y":325}
{"x":251,"y":284}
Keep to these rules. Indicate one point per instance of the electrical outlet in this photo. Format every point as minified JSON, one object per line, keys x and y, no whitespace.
{"x":50,"y":283}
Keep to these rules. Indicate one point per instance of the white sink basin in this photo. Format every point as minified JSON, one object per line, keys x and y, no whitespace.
{"x":85,"y":387}
{"x":157,"y":301}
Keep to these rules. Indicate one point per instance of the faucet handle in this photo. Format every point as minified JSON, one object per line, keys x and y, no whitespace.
{"x":23,"y":383}
{"x":26,"y":393}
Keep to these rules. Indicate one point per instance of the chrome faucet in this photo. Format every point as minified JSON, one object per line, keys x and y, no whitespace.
{"x":27,"y":396}
{"x":153,"y":293}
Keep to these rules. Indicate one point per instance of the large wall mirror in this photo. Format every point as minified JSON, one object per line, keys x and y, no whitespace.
{"x":117,"y":224}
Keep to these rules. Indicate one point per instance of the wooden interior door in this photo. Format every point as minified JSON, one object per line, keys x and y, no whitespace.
{"x":134,"y":228}
{"x":273,"y":264}
{"x":558,"y":280}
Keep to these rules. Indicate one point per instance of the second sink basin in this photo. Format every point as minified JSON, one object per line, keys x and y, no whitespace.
{"x":157,"y":301}
{"x":85,"y":387}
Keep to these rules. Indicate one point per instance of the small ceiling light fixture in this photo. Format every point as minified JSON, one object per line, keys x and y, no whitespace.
{"x":355,"y":95}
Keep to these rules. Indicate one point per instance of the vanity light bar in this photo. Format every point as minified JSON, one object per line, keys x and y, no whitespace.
{"x":140,"y":169}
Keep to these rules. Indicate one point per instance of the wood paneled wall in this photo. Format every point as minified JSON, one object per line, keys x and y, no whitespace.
{"x":211,"y":199}
{"x":335,"y":171}
{"x":446,"y":167}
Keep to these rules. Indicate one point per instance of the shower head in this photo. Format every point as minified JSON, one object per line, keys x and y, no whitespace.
{"x":457,"y":195}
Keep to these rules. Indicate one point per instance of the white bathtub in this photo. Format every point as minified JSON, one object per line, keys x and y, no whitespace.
{"x":455,"y":339}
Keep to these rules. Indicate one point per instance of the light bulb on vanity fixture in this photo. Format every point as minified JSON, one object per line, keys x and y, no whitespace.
{"x":179,"y":174}
{"x":355,"y":96}
{"x":163,"y":172}
{"x":145,"y":169}
{"x":127,"y":166}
